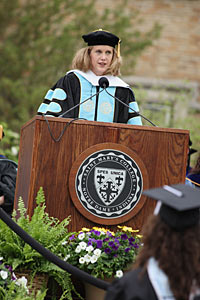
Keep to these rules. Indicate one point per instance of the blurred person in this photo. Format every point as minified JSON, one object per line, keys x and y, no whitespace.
{"x":8,"y":174}
{"x":193,"y":177}
{"x":100,"y":58}
{"x":168,"y":264}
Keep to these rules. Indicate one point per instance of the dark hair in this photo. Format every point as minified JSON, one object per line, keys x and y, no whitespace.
{"x":177,"y":253}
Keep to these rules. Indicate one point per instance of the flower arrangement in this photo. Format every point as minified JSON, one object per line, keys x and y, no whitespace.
{"x":101,"y":252}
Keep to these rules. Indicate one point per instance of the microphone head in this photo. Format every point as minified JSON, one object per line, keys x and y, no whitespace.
{"x":103,"y":82}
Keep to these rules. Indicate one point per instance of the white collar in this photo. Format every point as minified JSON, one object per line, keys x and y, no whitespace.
{"x":160,"y":282}
{"x":94,"y":79}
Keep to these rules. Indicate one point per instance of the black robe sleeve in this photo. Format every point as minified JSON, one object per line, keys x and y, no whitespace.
{"x":131,"y":287}
{"x":70,"y":87}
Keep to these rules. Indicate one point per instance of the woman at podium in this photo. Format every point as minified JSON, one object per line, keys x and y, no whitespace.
{"x":92,"y":90}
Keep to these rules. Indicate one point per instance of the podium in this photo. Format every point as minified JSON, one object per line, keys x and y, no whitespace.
{"x":95,"y":171}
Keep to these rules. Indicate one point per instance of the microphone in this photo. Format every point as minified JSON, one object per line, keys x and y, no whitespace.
{"x":73,"y":107}
{"x":104,"y":83}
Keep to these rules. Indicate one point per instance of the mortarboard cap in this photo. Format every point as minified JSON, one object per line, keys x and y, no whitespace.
{"x":180,"y":205}
{"x":102,"y":37}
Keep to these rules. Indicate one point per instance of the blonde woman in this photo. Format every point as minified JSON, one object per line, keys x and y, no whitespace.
{"x":101,"y":58}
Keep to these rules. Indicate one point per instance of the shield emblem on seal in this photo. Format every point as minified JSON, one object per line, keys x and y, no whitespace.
{"x":109,"y":183}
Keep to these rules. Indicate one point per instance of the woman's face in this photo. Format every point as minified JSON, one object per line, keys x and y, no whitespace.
{"x":101,"y":58}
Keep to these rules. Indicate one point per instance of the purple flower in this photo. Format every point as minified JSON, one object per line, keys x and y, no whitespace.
{"x":115,"y":255}
{"x":97,"y":232}
{"x":111,"y":243}
{"x":99,"y":243}
{"x":117,"y":241}
{"x":106,"y":240}
{"x":109,"y":234}
{"x":135,"y":245}
{"x":72,"y":237}
{"x":10,"y":269}
{"x":127,"y":250}
{"x":89,"y":242}
{"x":107,"y":250}
{"x":124,"y":236}
{"x":115,"y":247}
{"x":131,"y":239}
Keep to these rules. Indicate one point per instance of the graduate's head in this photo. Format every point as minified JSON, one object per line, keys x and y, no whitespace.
{"x":102,"y":54}
{"x":178,"y":205}
{"x":172,"y":236}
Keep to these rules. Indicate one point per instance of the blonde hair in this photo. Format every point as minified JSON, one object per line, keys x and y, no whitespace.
{"x":81,"y":61}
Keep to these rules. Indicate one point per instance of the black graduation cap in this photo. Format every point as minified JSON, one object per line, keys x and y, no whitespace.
{"x":102,"y":37}
{"x":180,"y":205}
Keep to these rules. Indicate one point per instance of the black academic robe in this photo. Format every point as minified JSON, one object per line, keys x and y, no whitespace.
{"x":67,"y":93}
{"x":131,"y":287}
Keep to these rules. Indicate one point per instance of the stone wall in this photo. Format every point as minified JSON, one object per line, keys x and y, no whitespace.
{"x":176,"y":54}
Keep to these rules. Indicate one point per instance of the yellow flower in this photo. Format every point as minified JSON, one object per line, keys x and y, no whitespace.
{"x":139,"y":236}
{"x":130,"y":229}
{"x":84,"y":229}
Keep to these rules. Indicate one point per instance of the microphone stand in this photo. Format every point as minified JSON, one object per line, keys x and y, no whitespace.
{"x":104,"y":86}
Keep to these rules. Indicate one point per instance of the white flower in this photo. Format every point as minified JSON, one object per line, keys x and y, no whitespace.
{"x":97,"y":252}
{"x":81,"y":236}
{"x":14,"y":276}
{"x":22,"y":281}
{"x":64,"y":243}
{"x":89,"y":248}
{"x":94,"y":258}
{"x":87,"y":258}
{"x":1,"y":258}
{"x":119,"y":274}
{"x":81,"y":260}
{"x":83,"y":245}
{"x":78,"y":249}
{"x":66,"y":257}
{"x":4,"y":274}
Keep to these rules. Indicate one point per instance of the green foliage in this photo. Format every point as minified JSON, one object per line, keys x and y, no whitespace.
{"x":10,"y":143}
{"x":38,"y":40}
{"x":12,"y":292}
{"x":48,"y":231}
{"x":12,"y":287}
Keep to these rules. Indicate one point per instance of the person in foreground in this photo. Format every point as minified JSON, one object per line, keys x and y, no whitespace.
{"x":168,"y":265}
{"x":101,"y":58}
{"x":8,"y":175}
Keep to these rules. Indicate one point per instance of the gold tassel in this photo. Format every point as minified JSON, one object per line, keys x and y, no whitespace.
{"x":118,"y":49}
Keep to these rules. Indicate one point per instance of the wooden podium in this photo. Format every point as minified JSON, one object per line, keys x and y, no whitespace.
{"x":159,"y":155}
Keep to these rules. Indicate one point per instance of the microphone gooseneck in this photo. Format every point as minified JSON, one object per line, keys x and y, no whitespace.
{"x":80,"y":103}
{"x":104,"y":83}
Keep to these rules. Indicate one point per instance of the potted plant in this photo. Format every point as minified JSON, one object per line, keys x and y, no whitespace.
{"x":101,"y":252}
{"x":26,"y":261}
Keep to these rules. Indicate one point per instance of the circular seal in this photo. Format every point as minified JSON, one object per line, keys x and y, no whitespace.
{"x":109,"y":183}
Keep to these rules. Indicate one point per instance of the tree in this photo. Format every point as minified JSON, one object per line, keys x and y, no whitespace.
{"x":38,"y":39}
